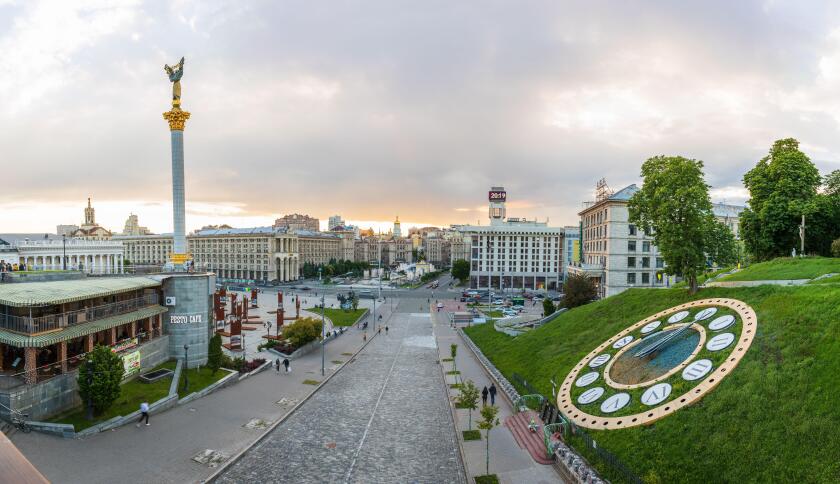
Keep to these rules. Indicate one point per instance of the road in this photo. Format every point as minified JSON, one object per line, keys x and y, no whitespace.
{"x":384,"y":418}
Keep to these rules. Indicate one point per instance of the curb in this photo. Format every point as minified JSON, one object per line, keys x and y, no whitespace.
{"x":233,"y":460}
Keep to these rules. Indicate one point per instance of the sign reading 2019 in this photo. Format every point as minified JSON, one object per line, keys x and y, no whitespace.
{"x":186,"y":318}
{"x":498,"y":196}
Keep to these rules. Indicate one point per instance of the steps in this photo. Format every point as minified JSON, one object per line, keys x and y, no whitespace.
{"x":7,"y":428}
{"x":530,"y":441}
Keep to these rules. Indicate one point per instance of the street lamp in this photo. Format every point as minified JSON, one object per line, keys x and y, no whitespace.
{"x":186,"y":367}
{"x":64,"y":250}
{"x":319,"y":274}
{"x":323,"y":334}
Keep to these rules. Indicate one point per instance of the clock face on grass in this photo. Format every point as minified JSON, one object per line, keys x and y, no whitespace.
{"x":658,"y":365}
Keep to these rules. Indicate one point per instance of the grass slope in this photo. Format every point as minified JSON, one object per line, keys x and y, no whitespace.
{"x":774,"y":419}
{"x":784,"y":268}
{"x":339,"y":317}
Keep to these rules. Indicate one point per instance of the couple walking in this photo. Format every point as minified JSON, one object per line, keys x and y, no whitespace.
{"x":286,"y":364}
{"x":491,"y":392}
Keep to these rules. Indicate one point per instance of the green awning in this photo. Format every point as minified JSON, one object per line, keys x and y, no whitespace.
{"x":83,"y":329}
{"x":58,"y":292}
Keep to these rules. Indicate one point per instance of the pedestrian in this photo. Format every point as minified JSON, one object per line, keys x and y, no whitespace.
{"x":484,"y":393}
{"x":364,"y":336}
{"x":492,"y":394}
{"x":144,"y":413}
{"x":277,"y":365}
{"x":386,"y":329}
{"x":287,"y":365}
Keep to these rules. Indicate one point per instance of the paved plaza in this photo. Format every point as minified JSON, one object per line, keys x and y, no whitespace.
{"x":384,"y":418}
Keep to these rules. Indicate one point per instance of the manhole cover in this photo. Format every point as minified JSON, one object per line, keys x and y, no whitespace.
{"x":256,"y":424}
{"x":210,"y":458}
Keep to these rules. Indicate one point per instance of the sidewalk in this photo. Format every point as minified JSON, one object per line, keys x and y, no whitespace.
{"x":508,"y":461}
{"x":223,"y":421}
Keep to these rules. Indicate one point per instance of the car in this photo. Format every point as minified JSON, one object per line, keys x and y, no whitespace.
{"x":556,"y":299}
{"x":366,"y":295}
{"x":305,"y":288}
{"x":538,"y":297}
{"x":498,"y":302}
{"x":463,"y":299}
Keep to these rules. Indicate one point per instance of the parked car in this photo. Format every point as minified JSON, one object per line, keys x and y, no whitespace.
{"x":538,"y":297}
{"x":498,"y":302}
{"x":305,"y":288}
{"x":556,"y":299}
{"x":366,"y":295}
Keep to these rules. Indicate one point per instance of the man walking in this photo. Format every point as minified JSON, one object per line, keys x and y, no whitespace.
{"x":484,"y":393}
{"x":277,"y":365}
{"x":144,"y":413}
{"x":492,"y":394}
{"x":287,"y":365}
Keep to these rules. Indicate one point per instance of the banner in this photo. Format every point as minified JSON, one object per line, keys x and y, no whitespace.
{"x":131,"y":362}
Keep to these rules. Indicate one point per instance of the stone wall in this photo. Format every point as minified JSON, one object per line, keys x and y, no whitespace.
{"x":188,"y":322}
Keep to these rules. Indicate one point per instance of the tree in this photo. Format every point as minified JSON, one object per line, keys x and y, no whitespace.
{"x":674,"y":205}
{"x":453,"y":351}
{"x":488,"y":421}
{"x":303,"y":331}
{"x":835,"y":248}
{"x":468,"y":398}
{"x":781,"y":186}
{"x":354,"y":301}
{"x":107,"y":371}
{"x":461,"y":270}
{"x":214,"y":353}
{"x":548,"y":307}
{"x":722,"y":248}
{"x":578,"y":290}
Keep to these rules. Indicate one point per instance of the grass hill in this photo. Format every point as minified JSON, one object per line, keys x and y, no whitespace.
{"x":775,"y":418}
{"x":784,"y":268}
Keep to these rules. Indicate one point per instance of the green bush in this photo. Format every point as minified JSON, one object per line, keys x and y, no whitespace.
{"x":214,"y":353}
{"x":106,"y":372}
{"x":303,"y":331}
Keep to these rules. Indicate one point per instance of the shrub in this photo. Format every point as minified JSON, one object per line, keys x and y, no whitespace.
{"x":579,"y":290}
{"x":548,"y":307}
{"x":214,"y":353}
{"x":106,"y":368}
{"x":303,"y":331}
{"x":835,"y":248}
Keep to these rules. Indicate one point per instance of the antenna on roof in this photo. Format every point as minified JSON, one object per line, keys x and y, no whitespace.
{"x":602,"y":190}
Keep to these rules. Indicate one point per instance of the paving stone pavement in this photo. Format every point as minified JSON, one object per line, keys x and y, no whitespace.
{"x":384,"y":418}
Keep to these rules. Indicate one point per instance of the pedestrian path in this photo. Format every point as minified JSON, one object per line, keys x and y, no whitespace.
{"x":510,"y":462}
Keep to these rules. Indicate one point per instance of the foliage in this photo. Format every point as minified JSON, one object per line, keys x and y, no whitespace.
{"x":239,"y":364}
{"x":782,"y":187}
{"x":214,"y":353}
{"x":835,"y":248}
{"x":784,"y":268}
{"x":487,"y":422}
{"x":107,"y":372}
{"x":548,"y":307}
{"x":453,"y":352}
{"x":303,"y":331}
{"x":460,"y":270}
{"x":310,"y":382}
{"x":488,"y":479}
{"x":468,"y":398}
{"x":339,"y":317}
{"x":780,"y":388}
{"x":578,"y":290}
{"x":354,"y":301}
{"x":471,"y":435}
{"x":674,"y":204}
{"x":334,"y":268}
{"x":429,"y":276}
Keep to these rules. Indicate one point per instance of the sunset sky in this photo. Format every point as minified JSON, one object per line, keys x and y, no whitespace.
{"x":374,"y":109}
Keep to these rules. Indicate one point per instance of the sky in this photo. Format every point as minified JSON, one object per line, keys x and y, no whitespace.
{"x":377,"y":109}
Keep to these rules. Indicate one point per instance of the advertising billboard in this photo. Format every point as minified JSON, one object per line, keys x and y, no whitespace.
{"x":497,"y":196}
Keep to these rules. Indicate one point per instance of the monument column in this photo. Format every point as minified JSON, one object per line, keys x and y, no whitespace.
{"x":176,"y":119}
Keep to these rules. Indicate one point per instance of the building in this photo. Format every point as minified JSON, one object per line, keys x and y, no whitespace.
{"x":90,"y":229}
{"x":571,"y":252}
{"x":50,"y":252}
{"x":347,"y":235}
{"x":335,"y":221}
{"x":396,"y":251}
{"x":513,"y":253}
{"x":151,"y":249}
{"x":297,"y":221}
{"x":437,"y":251}
{"x":367,"y":249}
{"x":318,"y":247}
{"x":730,"y":216}
{"x":397,"y":229}
{"x":66,"y":230}
{"x":132,"y":226}
{"x":248,"y":254}
{"x":459,"y":248}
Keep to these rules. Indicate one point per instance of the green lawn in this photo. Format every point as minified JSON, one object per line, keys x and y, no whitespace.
{"x":493,"y":313}
{"x":705,"y":276}
{"x":784,"y":268}
{"x":132,"y":395}
{"x":773,"y":419}
{"x":199,"y":378}
{"x":340,"y":317}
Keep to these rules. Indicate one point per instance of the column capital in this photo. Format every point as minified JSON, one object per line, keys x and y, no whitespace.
{"x":176,"y":119}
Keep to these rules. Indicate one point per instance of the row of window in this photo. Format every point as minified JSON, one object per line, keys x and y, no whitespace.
{"x":645,"y":262}
{"x":645,"y":278}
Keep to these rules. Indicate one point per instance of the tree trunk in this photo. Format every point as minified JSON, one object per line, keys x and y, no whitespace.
{"x":692,"y":284}
{"x":470,"y":412}
{"x":487,"y":438}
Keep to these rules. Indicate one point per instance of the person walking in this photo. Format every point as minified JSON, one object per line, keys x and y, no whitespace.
{"x":386,"y":330}
{"x":277,"y":365}
{"x":492,"y":394}
{"x":144,"y":413}
{"x":287,"y":365}
{"x":484,"y":393}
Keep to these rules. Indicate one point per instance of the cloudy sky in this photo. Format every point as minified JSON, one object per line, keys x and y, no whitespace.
{"x":373,"y":109}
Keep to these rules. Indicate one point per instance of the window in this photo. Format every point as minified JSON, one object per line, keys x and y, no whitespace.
{"x":631,"y":246}
{"x":645,"y":261}
{"x":631,"y":262}
{"x":645,"y":278}
{"x":646,"y":246}
{"x":632,"y":229}
{"x":659,"y":263}
{"x":631,"y":278}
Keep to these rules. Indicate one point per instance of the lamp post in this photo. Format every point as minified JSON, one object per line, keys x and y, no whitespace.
{"x":64,"y":250}
{"x":90,"y":383}
{"x":323,"y":334}
{"x":319,"y":274}
{"x":186,"y":367}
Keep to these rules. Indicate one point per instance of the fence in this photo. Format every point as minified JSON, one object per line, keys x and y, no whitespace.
{"x":551,"y":415}
{"x":25,"y":324}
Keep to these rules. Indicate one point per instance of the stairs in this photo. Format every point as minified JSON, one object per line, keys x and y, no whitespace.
{"x":530,"y":441}
{"x":7,"y":428}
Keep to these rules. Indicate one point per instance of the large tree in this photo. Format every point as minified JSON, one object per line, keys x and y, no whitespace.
{"x":674,"y":205}
{"x":782,"y":186}
{"x":578,"y":290}
{"x":99,"y":379}
{"x":460,"y":270}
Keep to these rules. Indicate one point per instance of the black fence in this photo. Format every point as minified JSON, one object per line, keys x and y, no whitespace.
{"x":550,"y":415}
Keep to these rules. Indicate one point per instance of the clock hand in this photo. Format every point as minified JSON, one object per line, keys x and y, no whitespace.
{"x":667,"y":339}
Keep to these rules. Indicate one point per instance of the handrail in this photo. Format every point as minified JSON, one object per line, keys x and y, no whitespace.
{"x":26,"y":324}
{"x":548,"y":431}
{"x":14,"y":414}
{"x":521,"y":403}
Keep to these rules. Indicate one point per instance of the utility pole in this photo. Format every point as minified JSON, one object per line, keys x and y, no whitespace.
{"x":323,"y":334}
{"x":802,"y":237}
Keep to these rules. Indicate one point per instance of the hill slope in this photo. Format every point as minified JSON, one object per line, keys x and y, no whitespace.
{"x":784,"y":268}
{"x":775,"y":418}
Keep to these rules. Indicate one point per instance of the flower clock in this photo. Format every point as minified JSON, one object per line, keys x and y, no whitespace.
{"x":659,"y":365}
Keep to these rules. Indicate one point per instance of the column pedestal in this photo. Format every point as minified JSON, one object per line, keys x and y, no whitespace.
{"x":30,"y":363}
{"x":62,"y":355}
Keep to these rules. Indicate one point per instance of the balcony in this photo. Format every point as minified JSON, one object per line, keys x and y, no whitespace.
{"x":590,"y":270}
{"x":52,"y":322}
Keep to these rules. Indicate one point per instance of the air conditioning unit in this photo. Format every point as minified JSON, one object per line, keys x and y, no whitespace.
{"x":170,"y":300}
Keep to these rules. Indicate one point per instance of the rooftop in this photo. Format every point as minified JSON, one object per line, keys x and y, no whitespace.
{"x":245,"y":231}
{"x":59,"y":292}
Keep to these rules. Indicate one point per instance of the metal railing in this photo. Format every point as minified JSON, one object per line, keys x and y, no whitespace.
{"x":26,"y":324}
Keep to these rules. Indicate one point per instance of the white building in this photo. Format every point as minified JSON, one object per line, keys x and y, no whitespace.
{"x":248,"y":254}
{"x":50,"y":252}
{"x":513,"y":253}
{"x":151,"y":249}
{"x":335,"y":221}
{"x":730,"y":216}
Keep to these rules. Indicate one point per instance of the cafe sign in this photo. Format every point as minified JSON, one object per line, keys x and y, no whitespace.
{"x":186,"y":318}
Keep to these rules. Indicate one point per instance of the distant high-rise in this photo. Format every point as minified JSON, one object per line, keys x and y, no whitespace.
{"x":296,"y":221}
{"x":335,"y":221}
{"x":397,"y":229}
{"x":132,"y":226}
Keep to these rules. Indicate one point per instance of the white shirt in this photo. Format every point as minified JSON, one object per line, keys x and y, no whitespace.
{"x":144,"y":407}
